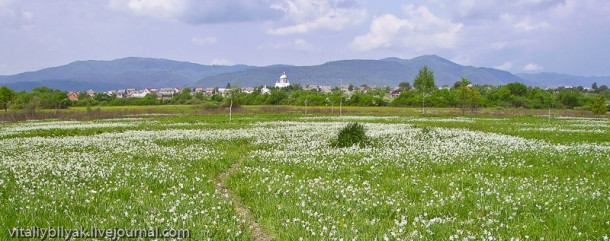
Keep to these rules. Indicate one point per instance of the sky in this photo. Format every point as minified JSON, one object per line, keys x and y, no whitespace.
{"x":520,"y":36}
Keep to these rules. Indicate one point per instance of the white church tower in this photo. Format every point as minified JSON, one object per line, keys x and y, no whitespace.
{"x":282,"y":82}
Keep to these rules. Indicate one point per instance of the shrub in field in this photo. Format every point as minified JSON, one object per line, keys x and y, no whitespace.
{"x":599,"y":105}
{"x":350,"y":135}
{"x":209,"y":105}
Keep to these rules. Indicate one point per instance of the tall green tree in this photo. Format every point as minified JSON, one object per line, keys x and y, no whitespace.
{"x":517,"y":89}
{"x":570,"y":97}
{"x":424,"y":83}
{"x":468,"y":96}
{"x":404,"y":86}
{"x":6,"y":96}
{"x":47,"y":98}
{"x":599,"y":106}
{"x":233,"y":95}
{"x":184,"y":95}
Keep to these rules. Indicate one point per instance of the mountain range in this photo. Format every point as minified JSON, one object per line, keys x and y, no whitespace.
{"x":136,"y":72}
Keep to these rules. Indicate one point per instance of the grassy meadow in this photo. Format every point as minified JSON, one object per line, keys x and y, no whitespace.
{"x":444,"y":176}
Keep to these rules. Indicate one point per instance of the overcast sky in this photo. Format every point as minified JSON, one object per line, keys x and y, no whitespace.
{"x":564,"y":36}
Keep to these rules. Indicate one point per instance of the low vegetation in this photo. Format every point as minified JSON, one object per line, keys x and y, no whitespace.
{"x":350,"y":135}
{"x":462,"y":95}
{"x":432,"y":178}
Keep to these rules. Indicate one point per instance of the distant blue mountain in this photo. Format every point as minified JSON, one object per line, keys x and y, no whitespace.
{"x":556,"y":80}
{"x":129,"y":72}
{"x":388,"y":71}
{"x":135,"y":72}
{"x":66,"y":85}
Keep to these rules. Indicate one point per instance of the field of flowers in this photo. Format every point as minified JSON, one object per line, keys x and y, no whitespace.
{"x":447,"y":178}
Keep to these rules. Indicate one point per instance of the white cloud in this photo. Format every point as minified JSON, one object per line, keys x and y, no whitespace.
{"x":164,"y":9}
{"x":527,"y":26}
{"x":498,"y":45}
{"x":221,"y":61}
{"x":11,"y":14}
{"x":461,"y":60}
{"x":532,"y":67}
{"x":199,"y":11}
{"x":5,"y":3}
{"x":382,"y":32}
{"x":204,"y":40}
{"x":304,"y":16}
{"x":297,"y":44}
{"x":497,"y":31}
{"x":302,"y":44}
{"x":472,"y":11}
{"x":505,"y":66}
{"x":420,"y":30}
{"x":568,"y":8}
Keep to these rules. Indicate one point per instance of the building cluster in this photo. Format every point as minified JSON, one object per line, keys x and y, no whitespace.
{"x":170,"y":92}
{"x":282,"y":82}
{"x":160,"y":93}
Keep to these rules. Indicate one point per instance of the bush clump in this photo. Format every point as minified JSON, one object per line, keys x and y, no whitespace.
{"x":350,"y":135}
{"x":210,"y":105}
{"x":599,"y":105}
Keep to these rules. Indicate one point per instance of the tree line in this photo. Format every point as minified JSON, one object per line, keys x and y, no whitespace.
{"x":423,"y":93}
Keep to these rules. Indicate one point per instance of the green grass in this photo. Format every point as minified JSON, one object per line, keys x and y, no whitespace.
{"x":433,"y":177}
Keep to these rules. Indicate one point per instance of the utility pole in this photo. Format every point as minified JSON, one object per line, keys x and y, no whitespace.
{"x":341,"y":103}
{"x":341,"y":106}
{"x":230,"y":111}
{"x":550,"y":115}
{"x":305,"y":106}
